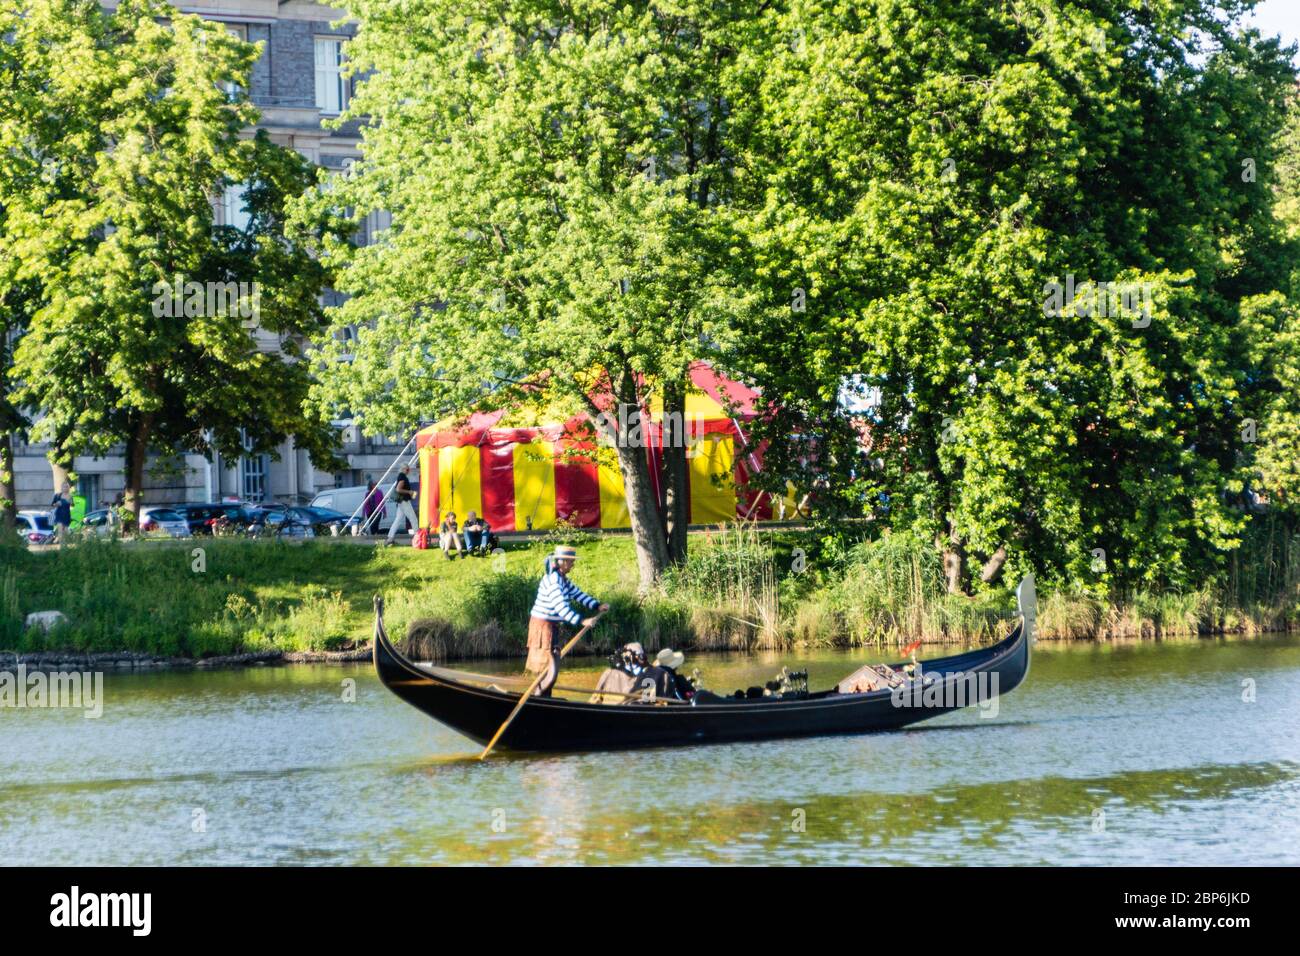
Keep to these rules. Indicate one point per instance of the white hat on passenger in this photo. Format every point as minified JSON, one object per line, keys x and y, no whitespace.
{"x":670,"y":658}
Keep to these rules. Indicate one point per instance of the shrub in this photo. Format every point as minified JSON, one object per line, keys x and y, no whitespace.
{"x":319,"y":622}
{"x":892,"y":589}
{"x":1069,"y":615}
{"x":11,"y":616}
{"x":503,"y":598}
{"x":428,"y":639}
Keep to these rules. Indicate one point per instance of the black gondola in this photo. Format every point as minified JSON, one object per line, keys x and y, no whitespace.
{"x":555,"y":724}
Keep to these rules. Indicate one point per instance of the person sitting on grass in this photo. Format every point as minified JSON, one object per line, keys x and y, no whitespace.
{"x":448,"y":537}
{"x":477,"y":534}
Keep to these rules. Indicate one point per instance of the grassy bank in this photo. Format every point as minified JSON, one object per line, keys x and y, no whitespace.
{"x":740,"y":590}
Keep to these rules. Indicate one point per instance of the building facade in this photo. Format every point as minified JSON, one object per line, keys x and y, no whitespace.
{"x":297,"y":85}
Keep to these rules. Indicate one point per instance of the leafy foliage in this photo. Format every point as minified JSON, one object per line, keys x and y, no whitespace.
{"x":927,"y":171}
{"x":558,"y":178}
{"x":119,"y":130}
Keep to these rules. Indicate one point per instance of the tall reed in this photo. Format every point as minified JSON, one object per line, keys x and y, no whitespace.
{"x":729,"y":581}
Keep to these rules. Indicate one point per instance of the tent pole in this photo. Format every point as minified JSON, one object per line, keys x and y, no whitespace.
{"x":366,"y":525}
{"x":753,"y":464}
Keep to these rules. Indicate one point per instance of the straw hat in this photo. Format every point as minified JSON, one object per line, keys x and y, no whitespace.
{"x":670,"y":658}
{"x":563,"y":552}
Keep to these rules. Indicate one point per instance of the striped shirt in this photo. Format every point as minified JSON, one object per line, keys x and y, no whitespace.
{"x":556,"y":596}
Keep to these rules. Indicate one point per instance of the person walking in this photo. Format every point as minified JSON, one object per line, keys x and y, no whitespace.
{"x":372,"y":508}
{"x":62,"y":505}
{"x":402,"y":497}
{"x":556,"y":597}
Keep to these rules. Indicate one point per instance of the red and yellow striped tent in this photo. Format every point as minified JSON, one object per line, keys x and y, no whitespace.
{"x":531,"y":477}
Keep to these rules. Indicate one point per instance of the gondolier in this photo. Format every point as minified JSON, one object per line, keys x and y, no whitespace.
{"x":555,"y":605}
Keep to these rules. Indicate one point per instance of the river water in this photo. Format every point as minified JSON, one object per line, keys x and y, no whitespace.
{"x":1135,"y":753}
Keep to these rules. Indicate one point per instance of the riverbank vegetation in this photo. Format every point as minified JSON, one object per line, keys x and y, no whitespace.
{"x":1019,"y":286}
{"x":740,"y":589}
{"x":1016,"y":281}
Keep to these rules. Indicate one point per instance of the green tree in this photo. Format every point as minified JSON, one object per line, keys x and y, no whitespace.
{"x":11,"y":418}
{"x":122,"y":129}
{"x":928,"y":171}
{"x":1272,"y":433}
{"x":15,"y":308}
{"x":559,"y":177}
{"x":1271,"y":326}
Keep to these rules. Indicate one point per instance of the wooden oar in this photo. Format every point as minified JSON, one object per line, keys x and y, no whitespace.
{"x":533,"y":686}
{"x":591,"y":691}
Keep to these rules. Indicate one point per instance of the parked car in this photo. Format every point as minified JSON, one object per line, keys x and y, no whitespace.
{"x":348,"y":501}
{"x":35,"y":527}
{"x":164,"y":520}
{"x":279,"y":521}
{"x":94,"y":523}
{"x":202,"y":518}
{"x":325,"y":521}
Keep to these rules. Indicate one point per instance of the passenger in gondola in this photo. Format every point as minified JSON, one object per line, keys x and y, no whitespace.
{"x":661,"y":680}
{"x":615,"y":684}
{"x":556,"y":598}
{"x":672,"y":661}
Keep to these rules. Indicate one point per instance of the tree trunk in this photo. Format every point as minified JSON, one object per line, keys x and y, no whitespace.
{"x":58,"y":471}
{"x":137,"y":448}
{"x":642,"y":507}
{"x":677,"y":505}
{"x":993,"y":566}
{"x":954,"y":561}
{"x":8,"y":485}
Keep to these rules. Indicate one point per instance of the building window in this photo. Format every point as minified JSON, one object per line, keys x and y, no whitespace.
{"x":331,"y":85}
{"x":234,"y":212}
{"x":252,"y":472}
{"x":239,"y":31}
{"x":377,"y":221}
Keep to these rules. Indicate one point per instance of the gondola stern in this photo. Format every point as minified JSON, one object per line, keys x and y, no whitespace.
{"x":421,"y":689}
{"x":1027,"y":599}
{"x":379,"y":639}
{"x":387,"y":658}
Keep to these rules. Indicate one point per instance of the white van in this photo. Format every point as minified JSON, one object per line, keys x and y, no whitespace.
{"x":348,"y":501}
